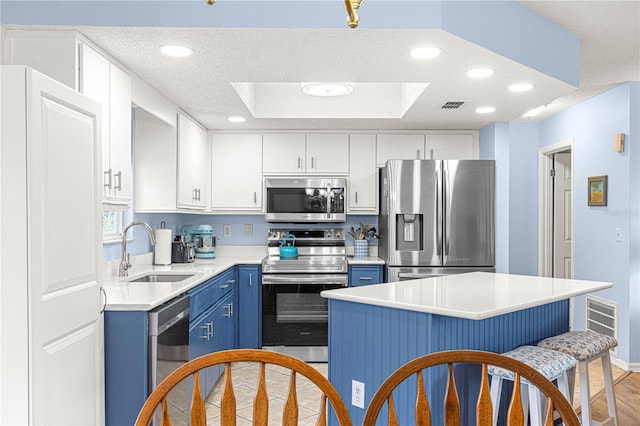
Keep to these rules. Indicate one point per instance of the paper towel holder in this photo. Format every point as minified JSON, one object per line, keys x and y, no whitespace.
{"x":162,"y":252}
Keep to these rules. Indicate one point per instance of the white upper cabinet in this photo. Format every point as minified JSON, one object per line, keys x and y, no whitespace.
{"x":327,"y":153}
{"x":283,"y":153}
{"x":314,"y":154}
{"x":452,"y":146}
{"x":155,"y":164}
{"x":236,"y":172}
{"x":109,"y":85}
{"x":399,"y":147}
{"x":68,"y":58}
{"x":193,"y":165}
{"x":363,"y":174}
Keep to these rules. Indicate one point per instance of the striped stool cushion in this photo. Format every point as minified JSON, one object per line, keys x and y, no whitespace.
{"x":549,"y":363}
{"x":581,"y":345}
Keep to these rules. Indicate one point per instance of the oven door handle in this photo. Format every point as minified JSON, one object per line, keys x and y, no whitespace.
{"x":329,"y":200}
{"x":278,"y":279}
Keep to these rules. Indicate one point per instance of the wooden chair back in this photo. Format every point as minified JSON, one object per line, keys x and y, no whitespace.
{"x":197,"y":411}
{"x":451,"y":415}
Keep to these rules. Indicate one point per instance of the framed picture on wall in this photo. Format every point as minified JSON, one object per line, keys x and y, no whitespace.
{"x":597,"y":190}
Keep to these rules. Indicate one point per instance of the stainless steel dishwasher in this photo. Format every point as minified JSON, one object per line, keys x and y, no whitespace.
{"x":168,"y":339}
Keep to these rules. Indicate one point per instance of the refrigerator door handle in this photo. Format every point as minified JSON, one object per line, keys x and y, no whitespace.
{"x":415,"y":276}
{"x":440,"y":211}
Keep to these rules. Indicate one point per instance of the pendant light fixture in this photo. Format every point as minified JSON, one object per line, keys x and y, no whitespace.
{"x":352,"y":7}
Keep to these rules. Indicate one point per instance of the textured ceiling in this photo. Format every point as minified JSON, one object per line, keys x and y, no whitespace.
{"x":609,"y":34}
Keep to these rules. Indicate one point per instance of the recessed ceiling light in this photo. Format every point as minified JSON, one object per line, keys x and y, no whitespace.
{"x":327,"y":89}
{"x":533,"y":112}
{"x":485,"y":110}
{"x":425,"y":52}
{"x":480,"y":73}
{"x":176,"y":51}
{"x":520,"y":87}
{"x":236,"y":119}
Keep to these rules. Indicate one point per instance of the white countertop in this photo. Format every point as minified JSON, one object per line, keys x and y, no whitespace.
{"x":475,"y":295}
{"x":369,"y":260}
{"x":123,"y":295}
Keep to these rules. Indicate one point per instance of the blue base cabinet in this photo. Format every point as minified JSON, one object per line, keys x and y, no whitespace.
{"x":250,"y":307}
{"x":364,"y":275}
{"x":212,"y":326}
{"x":126,"y":365}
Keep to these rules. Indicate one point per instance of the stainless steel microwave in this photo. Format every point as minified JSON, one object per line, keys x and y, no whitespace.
{"x":299,"y":200}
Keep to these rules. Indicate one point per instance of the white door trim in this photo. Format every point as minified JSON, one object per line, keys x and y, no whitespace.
{"x":545,"y":203}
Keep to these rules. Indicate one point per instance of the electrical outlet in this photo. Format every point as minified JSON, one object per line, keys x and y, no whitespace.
{"x":357,"y":394}
{"x":248,"y":230}
{"x":226,"y":230}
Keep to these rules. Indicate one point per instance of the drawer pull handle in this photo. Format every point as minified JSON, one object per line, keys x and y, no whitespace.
{"x":365,"y":278}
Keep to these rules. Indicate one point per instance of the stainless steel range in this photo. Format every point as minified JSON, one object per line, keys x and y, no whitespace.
{"x":294,"y":315}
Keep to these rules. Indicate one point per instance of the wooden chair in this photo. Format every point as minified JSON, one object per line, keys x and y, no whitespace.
{"x":484,"y":413}
{"x":228,"y":401}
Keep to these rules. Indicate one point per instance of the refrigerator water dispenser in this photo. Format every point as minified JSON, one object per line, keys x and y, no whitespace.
{"x":409,"y":232}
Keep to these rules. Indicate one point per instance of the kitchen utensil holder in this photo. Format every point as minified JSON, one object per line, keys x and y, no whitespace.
{"x":361,"y":248}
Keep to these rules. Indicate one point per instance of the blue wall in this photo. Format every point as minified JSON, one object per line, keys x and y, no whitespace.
{"x":597,"y":254}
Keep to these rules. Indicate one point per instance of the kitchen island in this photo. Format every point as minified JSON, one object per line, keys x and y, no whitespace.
{"x":375,"y":329}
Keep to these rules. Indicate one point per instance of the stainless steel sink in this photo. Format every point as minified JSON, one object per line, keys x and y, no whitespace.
{"x":161,"y":278}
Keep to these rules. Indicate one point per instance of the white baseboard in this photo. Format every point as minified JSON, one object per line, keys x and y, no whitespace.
{"x":634,"y":367}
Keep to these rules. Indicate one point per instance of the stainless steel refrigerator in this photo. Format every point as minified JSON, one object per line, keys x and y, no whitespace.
{"x":436,"y":217}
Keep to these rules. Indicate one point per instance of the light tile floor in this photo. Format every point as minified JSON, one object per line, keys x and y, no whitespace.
{"x":245,"y":382}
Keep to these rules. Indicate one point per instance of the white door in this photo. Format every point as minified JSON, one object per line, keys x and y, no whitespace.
{"x":562,"y":214}
{"x":64,"y":255}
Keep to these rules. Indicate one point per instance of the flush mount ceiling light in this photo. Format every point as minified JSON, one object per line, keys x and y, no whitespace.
{"x":480,"y":73}
{"x":520,"y":87}
{"x":236,"y":119}
{"x":533,"y":112}
{"x":425,"y":52}
{"x":176,"y":51}
{"x":485,"y":110}
{"x":327,"y":89}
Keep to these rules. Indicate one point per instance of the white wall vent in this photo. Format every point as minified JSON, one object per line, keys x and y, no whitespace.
{"x":602,"y":317}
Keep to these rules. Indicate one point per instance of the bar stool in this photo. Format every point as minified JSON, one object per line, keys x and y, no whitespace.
{"x":552,"y":364}
{"x":587,"y":346}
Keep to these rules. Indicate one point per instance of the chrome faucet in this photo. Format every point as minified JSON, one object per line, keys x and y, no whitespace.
{"x":124,"y":263}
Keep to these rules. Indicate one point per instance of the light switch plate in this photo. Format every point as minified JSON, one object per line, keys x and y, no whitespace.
{"x":226,"y":230}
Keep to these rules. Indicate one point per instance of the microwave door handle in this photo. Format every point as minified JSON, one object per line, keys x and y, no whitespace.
{"x":329,"y":199}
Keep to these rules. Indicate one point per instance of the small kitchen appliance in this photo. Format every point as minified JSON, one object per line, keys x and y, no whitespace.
{"x":201,"y":236}
{"x":287,"y":247}
{"x":182,"y":251}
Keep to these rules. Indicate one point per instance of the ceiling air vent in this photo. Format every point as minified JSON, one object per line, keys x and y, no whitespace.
{"x":452,"y":105}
